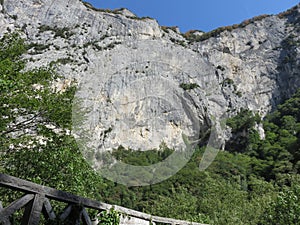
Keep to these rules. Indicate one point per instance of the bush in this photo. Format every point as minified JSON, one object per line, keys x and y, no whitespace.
{"x":188,"y":86}
{"x":285,"y":209}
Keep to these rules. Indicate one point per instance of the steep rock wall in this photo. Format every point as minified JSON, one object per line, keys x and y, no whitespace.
{"x":143,"y":85}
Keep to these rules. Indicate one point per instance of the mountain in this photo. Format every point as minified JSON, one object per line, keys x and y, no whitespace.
{"x":142,"y":84}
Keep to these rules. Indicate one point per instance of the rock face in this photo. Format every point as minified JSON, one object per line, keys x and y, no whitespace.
{"x":142,"y":84}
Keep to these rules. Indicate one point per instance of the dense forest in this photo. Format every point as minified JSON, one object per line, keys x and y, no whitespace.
{"x":254,"y":181}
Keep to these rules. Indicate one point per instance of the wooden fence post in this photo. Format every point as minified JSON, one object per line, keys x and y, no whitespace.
{"x":5,"y":220}
{"x":33,"y":210}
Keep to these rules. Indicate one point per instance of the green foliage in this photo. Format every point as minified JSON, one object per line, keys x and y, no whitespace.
{"x":140,"y":18}
{"x":289,"y":12}
{"x":44,"y":28}
{"x":191,"y":35}
{"x":244,"y":120}
{"x":63,"y":61}
{"x":245,"y":138}
{"x":166,"y":29}
{"x":169,"y":205}
{"x":227,"y":82}
{"x":29,"y":149}
{"x":282,"y":131}
{"x":90,"y":6}
{"x":110,"y":217}
{"x":62,"y":32}
{"x":39,"y":48}
{"x":280,"y":149}
{"x":226,"y":193}
{"x":141,"y":158}
{"x":12,"y":46}
{"x":188,"y":86}
{"x":218,"y":31}
{"x":59,"y":164}
{"x":285,"y":208}
{"x":179,"y":42}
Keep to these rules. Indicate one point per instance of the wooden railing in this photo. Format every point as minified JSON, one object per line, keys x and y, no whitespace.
{"x":36,"y":202}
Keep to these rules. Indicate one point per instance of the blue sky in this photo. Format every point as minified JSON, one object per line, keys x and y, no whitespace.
{"x":198,"y":14}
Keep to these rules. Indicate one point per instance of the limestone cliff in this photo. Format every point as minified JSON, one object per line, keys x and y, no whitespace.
{"x":144,"y":84}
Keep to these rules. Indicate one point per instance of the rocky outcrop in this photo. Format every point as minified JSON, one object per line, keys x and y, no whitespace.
{"x":142,"y":85}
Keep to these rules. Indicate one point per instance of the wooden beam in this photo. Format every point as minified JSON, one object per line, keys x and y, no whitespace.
{"x":4,"y":220}
{"x":72,"y":213}
{"x":67,"y":211}
{"x":16,"y":205}
{"x":48,"y":211}
{"x":33,"y":210}
{"x":76,"y":214}
{"x":51,"y":193}
{"x":149,"y":217}
{"x":86,"y":218}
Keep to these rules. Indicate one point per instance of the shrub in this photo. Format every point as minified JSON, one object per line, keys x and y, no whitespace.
{"x":218,"y":31}
{"x":285,"y":209}
{"x":188,"y":86}
{"x":166,"y":28}
{"x":110,"y":217}
{"x":90,"y":6}
{"x":191,"y":36}
{"x":63,"y":32}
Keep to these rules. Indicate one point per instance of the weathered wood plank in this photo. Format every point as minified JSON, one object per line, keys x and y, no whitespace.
{"x":4,"y":220}
{"x":72,"y":213}
{"x":86,"y":218}
{"x":51,"y":193}
{"x":33,"y":210}
{"x":29,"y":187}
{"x":48,"y":212}
{"x":149,"y":217}
{"x":16,"y":205}
{"x":77,"y":215}
{"x":173,"y":221}
{"x":67,"y":211}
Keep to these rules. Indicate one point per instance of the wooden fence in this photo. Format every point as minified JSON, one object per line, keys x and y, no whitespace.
{"x":36,"y":202}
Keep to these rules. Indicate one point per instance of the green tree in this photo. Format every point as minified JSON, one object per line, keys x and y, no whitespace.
{"x":244,"y":137}
{"x":35,"y":123}
{"x":285,"y":208}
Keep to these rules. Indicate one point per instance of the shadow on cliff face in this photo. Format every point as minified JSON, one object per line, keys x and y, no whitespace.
{"x":288,"y":77}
